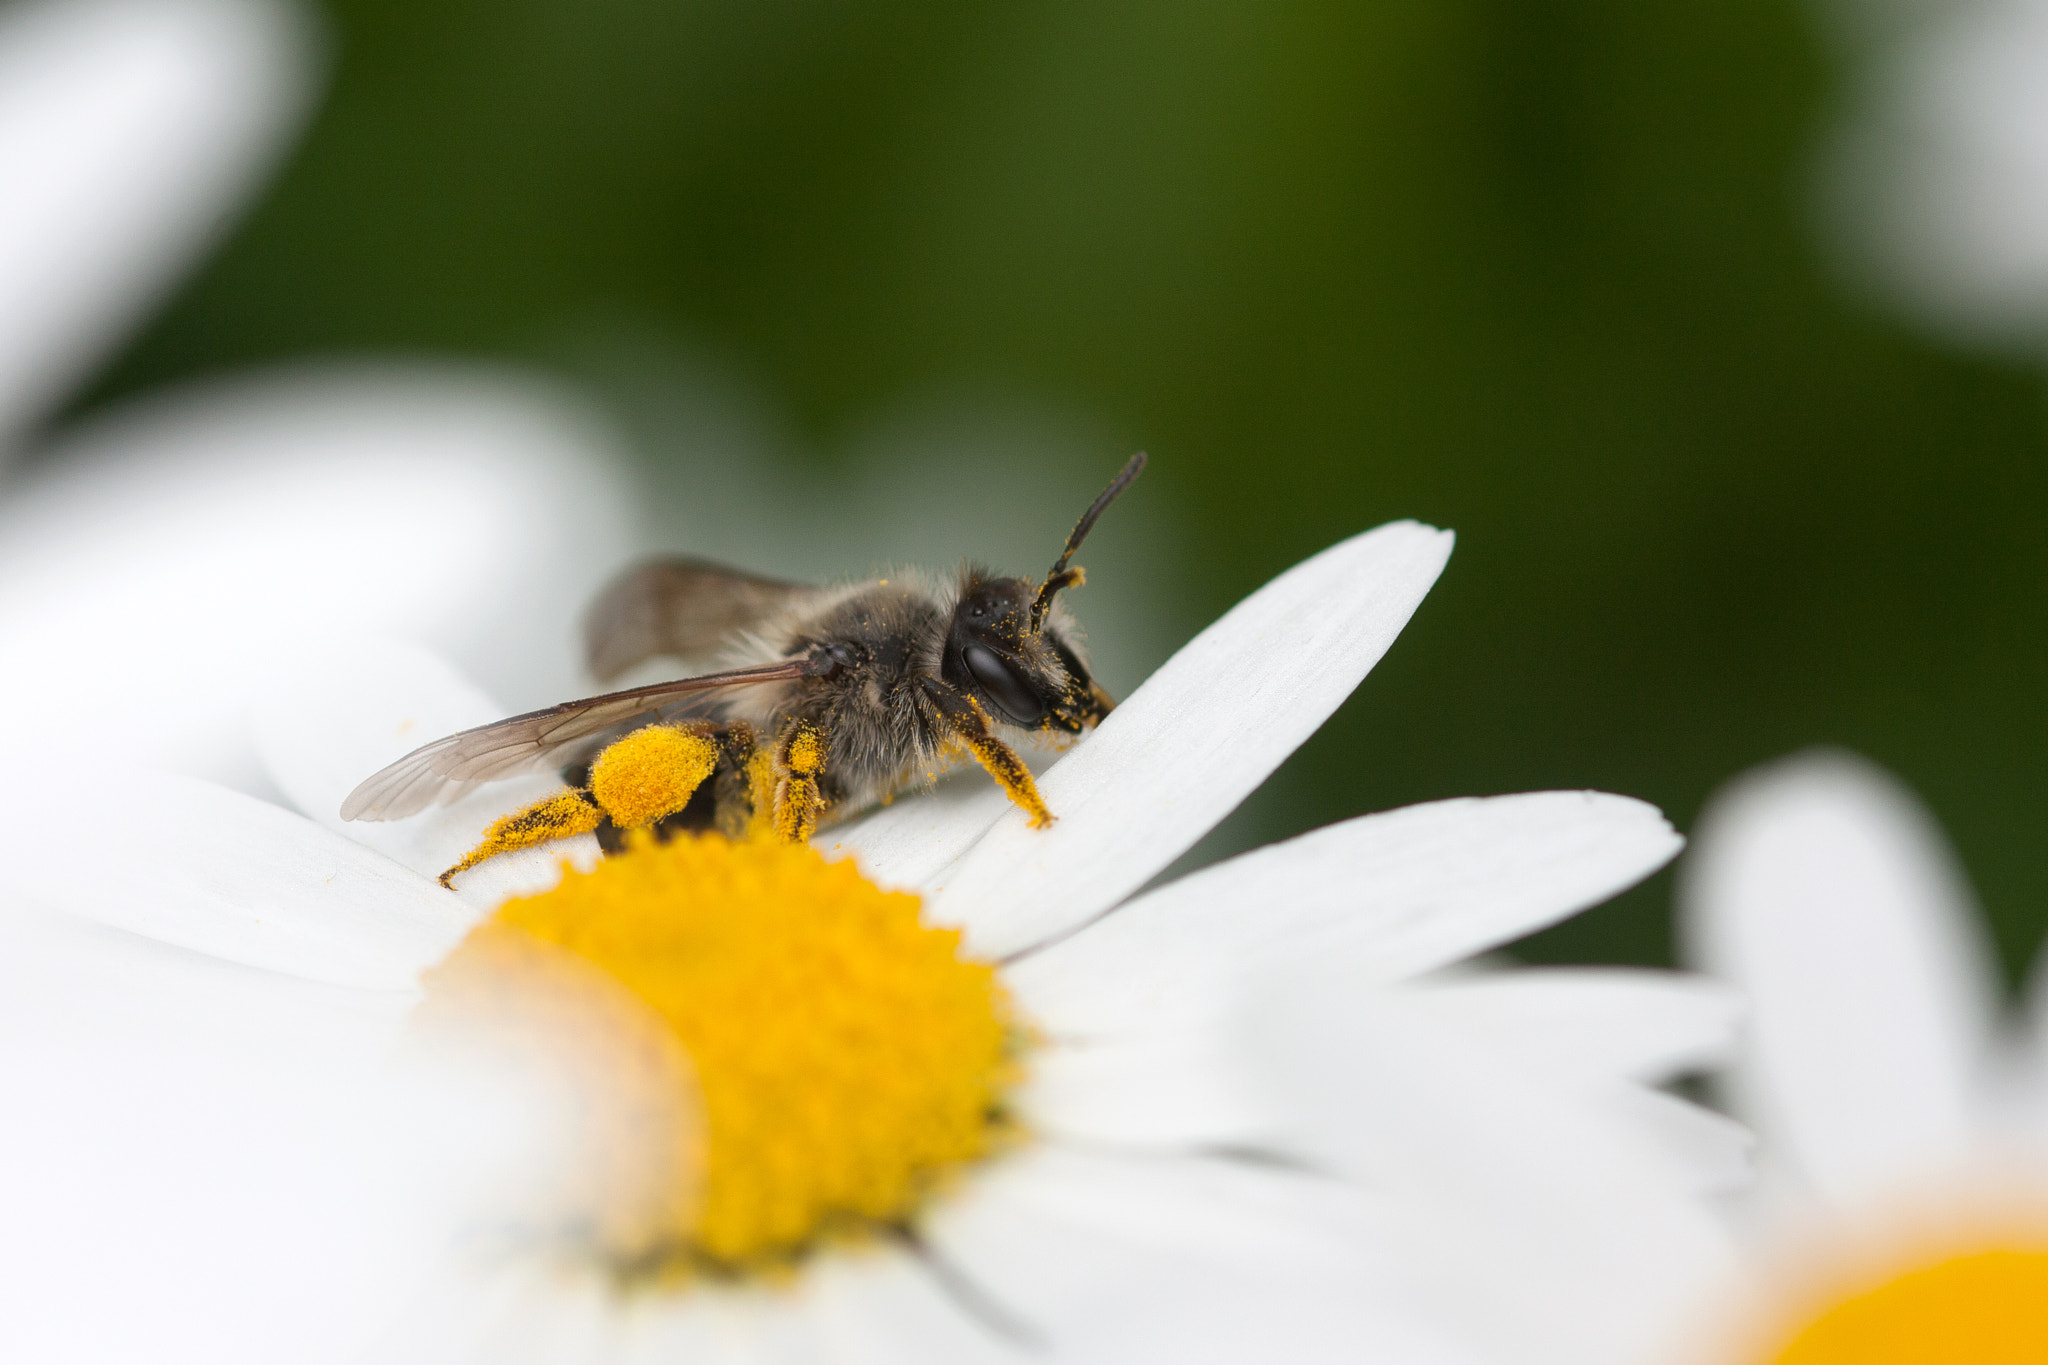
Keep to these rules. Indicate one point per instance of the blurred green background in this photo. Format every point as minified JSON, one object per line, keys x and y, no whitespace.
{"x":1540,"y":270}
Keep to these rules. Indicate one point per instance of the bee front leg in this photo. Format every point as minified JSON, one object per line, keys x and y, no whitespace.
{"x":799,"y":759}
{"x":968,"y":723}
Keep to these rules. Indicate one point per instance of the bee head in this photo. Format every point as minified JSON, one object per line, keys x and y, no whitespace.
{"x":1029,"y":676}
{"x":1004,"y":651}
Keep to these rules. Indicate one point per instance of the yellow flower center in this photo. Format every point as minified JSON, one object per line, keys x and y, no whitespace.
{"x":1983,"y":1307}
{"x":801,"y":1056}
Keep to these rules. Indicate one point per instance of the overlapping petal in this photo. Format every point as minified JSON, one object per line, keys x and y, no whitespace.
{"x":1102,"y":1257}
{"x":185,"y":862}
{"x":1601,"y":1023}
{"x":1389,"y":895}
{"x":1589,"y":1251}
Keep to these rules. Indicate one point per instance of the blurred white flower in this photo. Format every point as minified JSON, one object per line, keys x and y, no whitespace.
{"x":155,"y":562}
{"x":1936,"y":186}
{"x":129,"y":132}
{"x":1904,"y":1126}
{"x":1902,"y":1210}
{"x":175,"y":552}
{"x":1155,"y":1206}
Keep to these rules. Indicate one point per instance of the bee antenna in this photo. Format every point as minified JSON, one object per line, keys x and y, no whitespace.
{"x":1060,"y":576}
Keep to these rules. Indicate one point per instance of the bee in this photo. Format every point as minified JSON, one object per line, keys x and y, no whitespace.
{"x":822,"y":701}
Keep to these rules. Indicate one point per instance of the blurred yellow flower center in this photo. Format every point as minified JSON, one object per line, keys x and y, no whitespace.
{"x":1985,"y":1308}
{"x":841,"y":1057}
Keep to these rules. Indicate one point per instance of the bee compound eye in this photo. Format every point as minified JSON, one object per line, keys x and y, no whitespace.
{"x":1003,"y":685}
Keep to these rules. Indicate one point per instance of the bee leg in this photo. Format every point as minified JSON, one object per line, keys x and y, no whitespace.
{"x":636,"y":780}
{"x":651,"y":773}
{"x":969,"y":724}
{"x":799,"y":758}
{"x":552,"y":817}
{"x":759,"y":777}
{"x":743,"y":788}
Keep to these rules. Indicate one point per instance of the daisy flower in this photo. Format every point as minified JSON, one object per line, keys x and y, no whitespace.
{"x":156,"y":559}
{"x":1903,"y":1155}
{"x":1905,"y":1210}
{"x":815,"y":1118}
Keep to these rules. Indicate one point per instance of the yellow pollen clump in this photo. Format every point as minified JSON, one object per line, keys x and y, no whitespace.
{"x":806,"y":751}
{"x":1985,"y":1307}
{"x":650,"y":773}
{"x":844,"y":1058}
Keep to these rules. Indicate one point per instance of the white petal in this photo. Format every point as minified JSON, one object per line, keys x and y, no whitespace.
{"x":1707,"y":1152}
{"x":2027,"y":1070}
{"x":457,"y":1308}
{"x":1825,"y":891}
{"x":336,"y":715}
{"x":1104,"y":1258}
{"x":187,"y":863}
{"x":566,"y":1320}
{"x":1389,"y":895}
{"x":881,"y":1303}
{"x":718,"y":1324}
{"x":1599,"y":1023}
{"x":910,"y":842}
{"x":179,"y":549}
{"x":128,"y":131}
{"x":1557,"y":1234}
{"x":1600,"y":1033}
{"x":71,"y":980}
{"x":1195,"y":740}
{"x":1179,"y":1089}
{"x":236,"y":1208}
{"x":339,"y":714}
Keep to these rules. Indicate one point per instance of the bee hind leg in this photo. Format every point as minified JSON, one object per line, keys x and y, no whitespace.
{"x":635,"y":781}
{"x":968,"y":723}
{"x":552,"y":817}
{"x":798,"y":800}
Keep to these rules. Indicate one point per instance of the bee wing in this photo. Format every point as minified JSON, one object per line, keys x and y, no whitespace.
{"x":676,"y":607}
{"x":437,"y":773}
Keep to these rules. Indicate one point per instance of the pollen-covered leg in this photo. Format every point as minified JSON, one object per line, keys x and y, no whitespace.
{"x":554,"y":817}
{"x":651,"y":773}
{"x":761,"y":784}
{"x":1002,"y":763}
{"x":799,"y":758}
{"x":969,"y":724}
